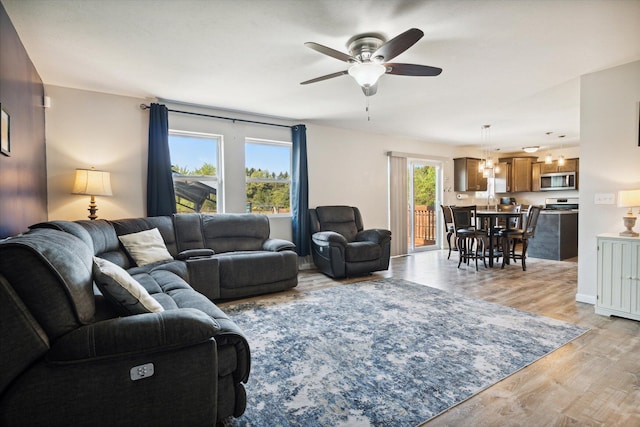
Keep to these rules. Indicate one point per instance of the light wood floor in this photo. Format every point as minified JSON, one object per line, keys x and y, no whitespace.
{"x":592,"y":381}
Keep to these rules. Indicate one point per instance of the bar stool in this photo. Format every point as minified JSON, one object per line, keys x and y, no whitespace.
{"x":469,"y":240}
{"x":510,"y":237}
{"x":448,"y":224}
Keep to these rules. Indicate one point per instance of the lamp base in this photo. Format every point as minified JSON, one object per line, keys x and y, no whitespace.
{"x":92,"y":209}
{"x":629,"y":222}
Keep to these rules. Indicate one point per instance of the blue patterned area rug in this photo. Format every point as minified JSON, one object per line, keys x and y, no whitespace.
{"x":381,"y":353}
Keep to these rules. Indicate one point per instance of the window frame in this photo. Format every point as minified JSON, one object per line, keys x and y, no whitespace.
{"x":219,"y":177}
{"x":263,"y":141}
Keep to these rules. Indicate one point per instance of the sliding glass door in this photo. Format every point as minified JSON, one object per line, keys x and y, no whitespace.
{"x":424,"y":193}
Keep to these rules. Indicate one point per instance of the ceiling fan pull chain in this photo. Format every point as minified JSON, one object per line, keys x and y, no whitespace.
{"x":367,"y":108}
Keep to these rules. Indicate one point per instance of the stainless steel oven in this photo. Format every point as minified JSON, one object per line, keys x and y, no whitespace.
{"x":558,"y":181}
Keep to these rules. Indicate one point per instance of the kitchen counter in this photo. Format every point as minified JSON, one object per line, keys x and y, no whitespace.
{"x":556,"y":235}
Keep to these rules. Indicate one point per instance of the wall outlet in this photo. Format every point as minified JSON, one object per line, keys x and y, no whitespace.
{"x":604,"y":198}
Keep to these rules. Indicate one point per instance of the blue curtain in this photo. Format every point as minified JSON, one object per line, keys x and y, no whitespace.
{"x":161,"y":198}
{"x":300,"y":190}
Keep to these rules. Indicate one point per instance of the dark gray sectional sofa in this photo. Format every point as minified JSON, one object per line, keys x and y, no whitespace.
{"x":225,"y":255}
{"x":70,"y":357}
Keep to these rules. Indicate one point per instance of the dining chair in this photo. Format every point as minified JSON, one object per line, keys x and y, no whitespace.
{"x":448,"y":225}
{"x":469,"y":240}
{"x":502,"y":222}
{"x":510,"y":238}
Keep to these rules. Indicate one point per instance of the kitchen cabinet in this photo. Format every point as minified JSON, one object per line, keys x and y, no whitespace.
{"x":618,"y":276}
{"x":502,"y":180}
{"x":570,"y":165}
{"x":535,"y":176}
{"x":515,"y":174}
{"x":466,"y":175}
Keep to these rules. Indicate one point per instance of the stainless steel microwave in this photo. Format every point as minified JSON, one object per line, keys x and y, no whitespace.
{"x":558,"y":181}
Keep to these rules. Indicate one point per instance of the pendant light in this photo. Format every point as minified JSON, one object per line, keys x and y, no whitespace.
{"x":548,"y":159}
{"x":561,"y":157}
{"x":486,"y":164}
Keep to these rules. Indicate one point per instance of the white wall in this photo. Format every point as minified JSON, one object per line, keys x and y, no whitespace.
{"x":85,"y":129}
{"x":109,"y":132}
{"x":609,"y":160}
{"x":350,"y":168}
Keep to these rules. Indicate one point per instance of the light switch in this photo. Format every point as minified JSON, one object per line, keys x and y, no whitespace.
{"x":604,"y":198}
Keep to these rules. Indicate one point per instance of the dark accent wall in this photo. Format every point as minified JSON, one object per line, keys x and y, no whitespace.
{"x":23,"y":175}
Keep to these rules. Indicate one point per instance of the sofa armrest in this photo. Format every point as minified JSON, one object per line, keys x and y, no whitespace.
{"x":329,"y":238}
{"x":375,"y":235}
{"x":277,"y":245}
{"x":195,"y":253}
{"x":143,"y":333}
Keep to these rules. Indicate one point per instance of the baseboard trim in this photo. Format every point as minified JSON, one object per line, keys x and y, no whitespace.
{"x":587,"y":299}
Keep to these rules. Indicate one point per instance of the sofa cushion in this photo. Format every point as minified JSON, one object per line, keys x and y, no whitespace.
{"x":235,"y":232}
{"x":341,"y":219}
{"x":146,"y":247}
{"x":254,"y":268}
{"x":188,"y":228}
{"x":123,"y":290}
{"x":50,"y":271}
{"x":164,"y":224}
{"x":362,"y":251}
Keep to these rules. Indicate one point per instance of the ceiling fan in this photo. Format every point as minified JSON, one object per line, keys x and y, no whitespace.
{"x":369,"y":55}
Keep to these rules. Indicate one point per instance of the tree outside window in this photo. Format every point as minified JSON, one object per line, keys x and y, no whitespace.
{"x":268,"y":176}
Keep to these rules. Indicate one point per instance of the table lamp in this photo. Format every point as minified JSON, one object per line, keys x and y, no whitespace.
{"x":629,"y":199}
{"x":93,"y":183}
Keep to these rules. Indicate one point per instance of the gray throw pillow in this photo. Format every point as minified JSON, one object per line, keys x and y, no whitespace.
{"x":120,"y":288}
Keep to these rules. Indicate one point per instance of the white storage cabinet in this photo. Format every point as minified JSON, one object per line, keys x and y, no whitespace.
{"x":618,"y":276}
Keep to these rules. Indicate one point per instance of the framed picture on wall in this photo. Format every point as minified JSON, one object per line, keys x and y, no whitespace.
{"x":5,"y":133}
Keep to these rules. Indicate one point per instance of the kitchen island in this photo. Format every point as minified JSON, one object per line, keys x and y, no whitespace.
{"x":556,"y":236}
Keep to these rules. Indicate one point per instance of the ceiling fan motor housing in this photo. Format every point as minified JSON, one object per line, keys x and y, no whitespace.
{"x":363,"y":47}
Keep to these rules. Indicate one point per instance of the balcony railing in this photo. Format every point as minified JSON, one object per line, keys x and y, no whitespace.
{"x":424,"y":225}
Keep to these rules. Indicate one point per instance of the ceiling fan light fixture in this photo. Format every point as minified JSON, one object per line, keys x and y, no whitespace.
{"x":367,"y":73}
{"x":531,"y":149}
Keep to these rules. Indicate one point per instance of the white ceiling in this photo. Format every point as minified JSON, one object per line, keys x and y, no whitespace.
{"x":513,"y":64}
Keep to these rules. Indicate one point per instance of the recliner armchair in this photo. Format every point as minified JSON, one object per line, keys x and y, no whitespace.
{"x":341,"y":246}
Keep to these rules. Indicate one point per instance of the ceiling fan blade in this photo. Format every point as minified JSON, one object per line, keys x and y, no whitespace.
{"x":330,"y":52}
{"x":397,"y":45}
{"x":370,"y":90}
{"x":327,"y":77}
{"x":411,"y":69}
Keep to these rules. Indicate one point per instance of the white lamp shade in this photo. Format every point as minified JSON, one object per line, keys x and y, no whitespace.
{"x":92,"y":182}
{"x":629,"y":198}
{"x":531,"y":149}
{"x":367,"y":73}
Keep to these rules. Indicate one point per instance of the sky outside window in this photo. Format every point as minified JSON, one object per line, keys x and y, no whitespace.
{"x":272,"y":157}
{"x":191,"y":152}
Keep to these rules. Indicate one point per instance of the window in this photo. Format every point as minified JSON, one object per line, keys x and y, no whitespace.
{"x":196,"y":179}
{"x":268,"y":173}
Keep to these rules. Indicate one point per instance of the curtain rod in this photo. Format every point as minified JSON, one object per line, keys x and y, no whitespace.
{"x":146,"y":107}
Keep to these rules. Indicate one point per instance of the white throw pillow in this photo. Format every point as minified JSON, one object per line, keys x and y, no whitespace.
{"x":146,"y":247}
{"x":122,"y":289}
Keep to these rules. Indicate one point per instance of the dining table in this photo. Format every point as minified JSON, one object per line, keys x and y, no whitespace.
{"x":489,"y":219}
